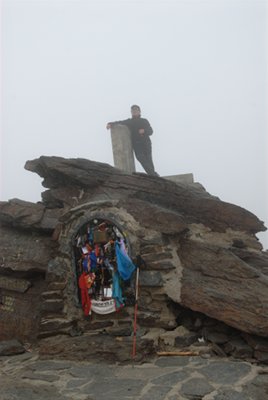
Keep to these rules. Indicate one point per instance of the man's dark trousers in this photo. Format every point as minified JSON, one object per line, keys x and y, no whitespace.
{"x":143,"y":153}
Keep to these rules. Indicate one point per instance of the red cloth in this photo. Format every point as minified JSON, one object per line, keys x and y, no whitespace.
{"x":85,"y":299}
{"x":97,"y":250}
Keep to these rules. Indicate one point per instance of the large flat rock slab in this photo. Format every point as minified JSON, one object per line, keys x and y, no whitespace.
{"x":192,"y":202}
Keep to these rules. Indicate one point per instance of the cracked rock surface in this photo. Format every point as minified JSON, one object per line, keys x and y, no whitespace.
{"x":28,"y":376}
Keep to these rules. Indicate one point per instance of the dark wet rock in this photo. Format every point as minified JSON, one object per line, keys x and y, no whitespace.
{"x":238,"y":348}
{"x":163,"y":265}
{"x":98,"y":325}
{"x":196,"y":388}
{"x":157,"y":392}
{"x":147,"y":318}
{"x":93,"y":371}
{"x":17,"y":285}
{"x":56,"y":271}
{"x":171,"y":379}
{"x":186,"y":339}
{"x":76,"y":383}
{"x":11,"y":347}
{"x":155,"y":256}
{"x":225,"y":372}
{"x":218,"y":350}
{"x":172,"y":361}
{"x":257,"y":343}
{"x":151,"y":278}
{"x":50,"y":365}
{"x":257,"y":389}
{"x":52,"y":295}
{"x":120,"y":330}
{"x":54,"y":325}
{"x":114,"y":388}
{"x":216,"y":337}
{"x":98,"y":346}
{"x":24,"y":251}
{"x":39,"y":377}
{"x":57,"y":285}
{"x":26,"y":392}
{"x":52,"y":306}
{"x":230,"y":394}
{"x":261,"y":356}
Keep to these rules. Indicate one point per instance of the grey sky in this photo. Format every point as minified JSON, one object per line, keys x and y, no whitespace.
{"x":198,"y":69}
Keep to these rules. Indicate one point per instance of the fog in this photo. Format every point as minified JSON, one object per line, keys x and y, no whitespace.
{"x":198,"y":70}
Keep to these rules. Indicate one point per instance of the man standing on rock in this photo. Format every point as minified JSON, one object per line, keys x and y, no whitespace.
{"x":140,"y":130}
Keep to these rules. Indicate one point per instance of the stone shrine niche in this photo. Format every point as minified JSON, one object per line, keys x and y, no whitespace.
{"x":99,"y":248}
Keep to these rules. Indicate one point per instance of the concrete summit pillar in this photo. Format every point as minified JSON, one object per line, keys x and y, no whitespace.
{"x":122,"y":148}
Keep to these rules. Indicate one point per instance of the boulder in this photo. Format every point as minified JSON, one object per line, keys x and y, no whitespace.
{"x":219,"y":284}
{"x":24,"y":250}
{"x":11,"y":347}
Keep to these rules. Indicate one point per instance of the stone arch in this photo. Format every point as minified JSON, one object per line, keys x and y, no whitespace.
{"x":79,"y":217}
{"x":142,"y":240}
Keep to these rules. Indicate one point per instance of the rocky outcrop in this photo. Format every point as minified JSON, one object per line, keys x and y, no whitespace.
{"x":218,"y":283}
{"x":101,"y":181}
{"x":199,"y":251}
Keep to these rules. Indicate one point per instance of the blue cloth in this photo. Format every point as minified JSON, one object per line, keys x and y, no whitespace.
{"x":124,"y":264}
{"x":84,"y":263}
{"x":117,"y":291}
{"x":93,"y":261}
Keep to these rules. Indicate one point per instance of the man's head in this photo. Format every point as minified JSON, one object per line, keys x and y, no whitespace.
{"x":135,"y":111}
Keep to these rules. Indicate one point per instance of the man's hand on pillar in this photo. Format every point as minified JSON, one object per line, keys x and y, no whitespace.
{"x":108,"y":126}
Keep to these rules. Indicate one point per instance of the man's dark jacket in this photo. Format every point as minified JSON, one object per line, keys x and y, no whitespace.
{"x":134,"y":125}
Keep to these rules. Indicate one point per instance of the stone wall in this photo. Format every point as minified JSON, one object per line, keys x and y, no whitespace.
{"x":24,"y":258}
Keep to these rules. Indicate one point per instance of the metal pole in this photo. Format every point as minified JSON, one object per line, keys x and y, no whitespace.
{"x":135,"y":314}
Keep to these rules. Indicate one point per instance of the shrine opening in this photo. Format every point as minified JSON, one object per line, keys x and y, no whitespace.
{"x":104,"y":269}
